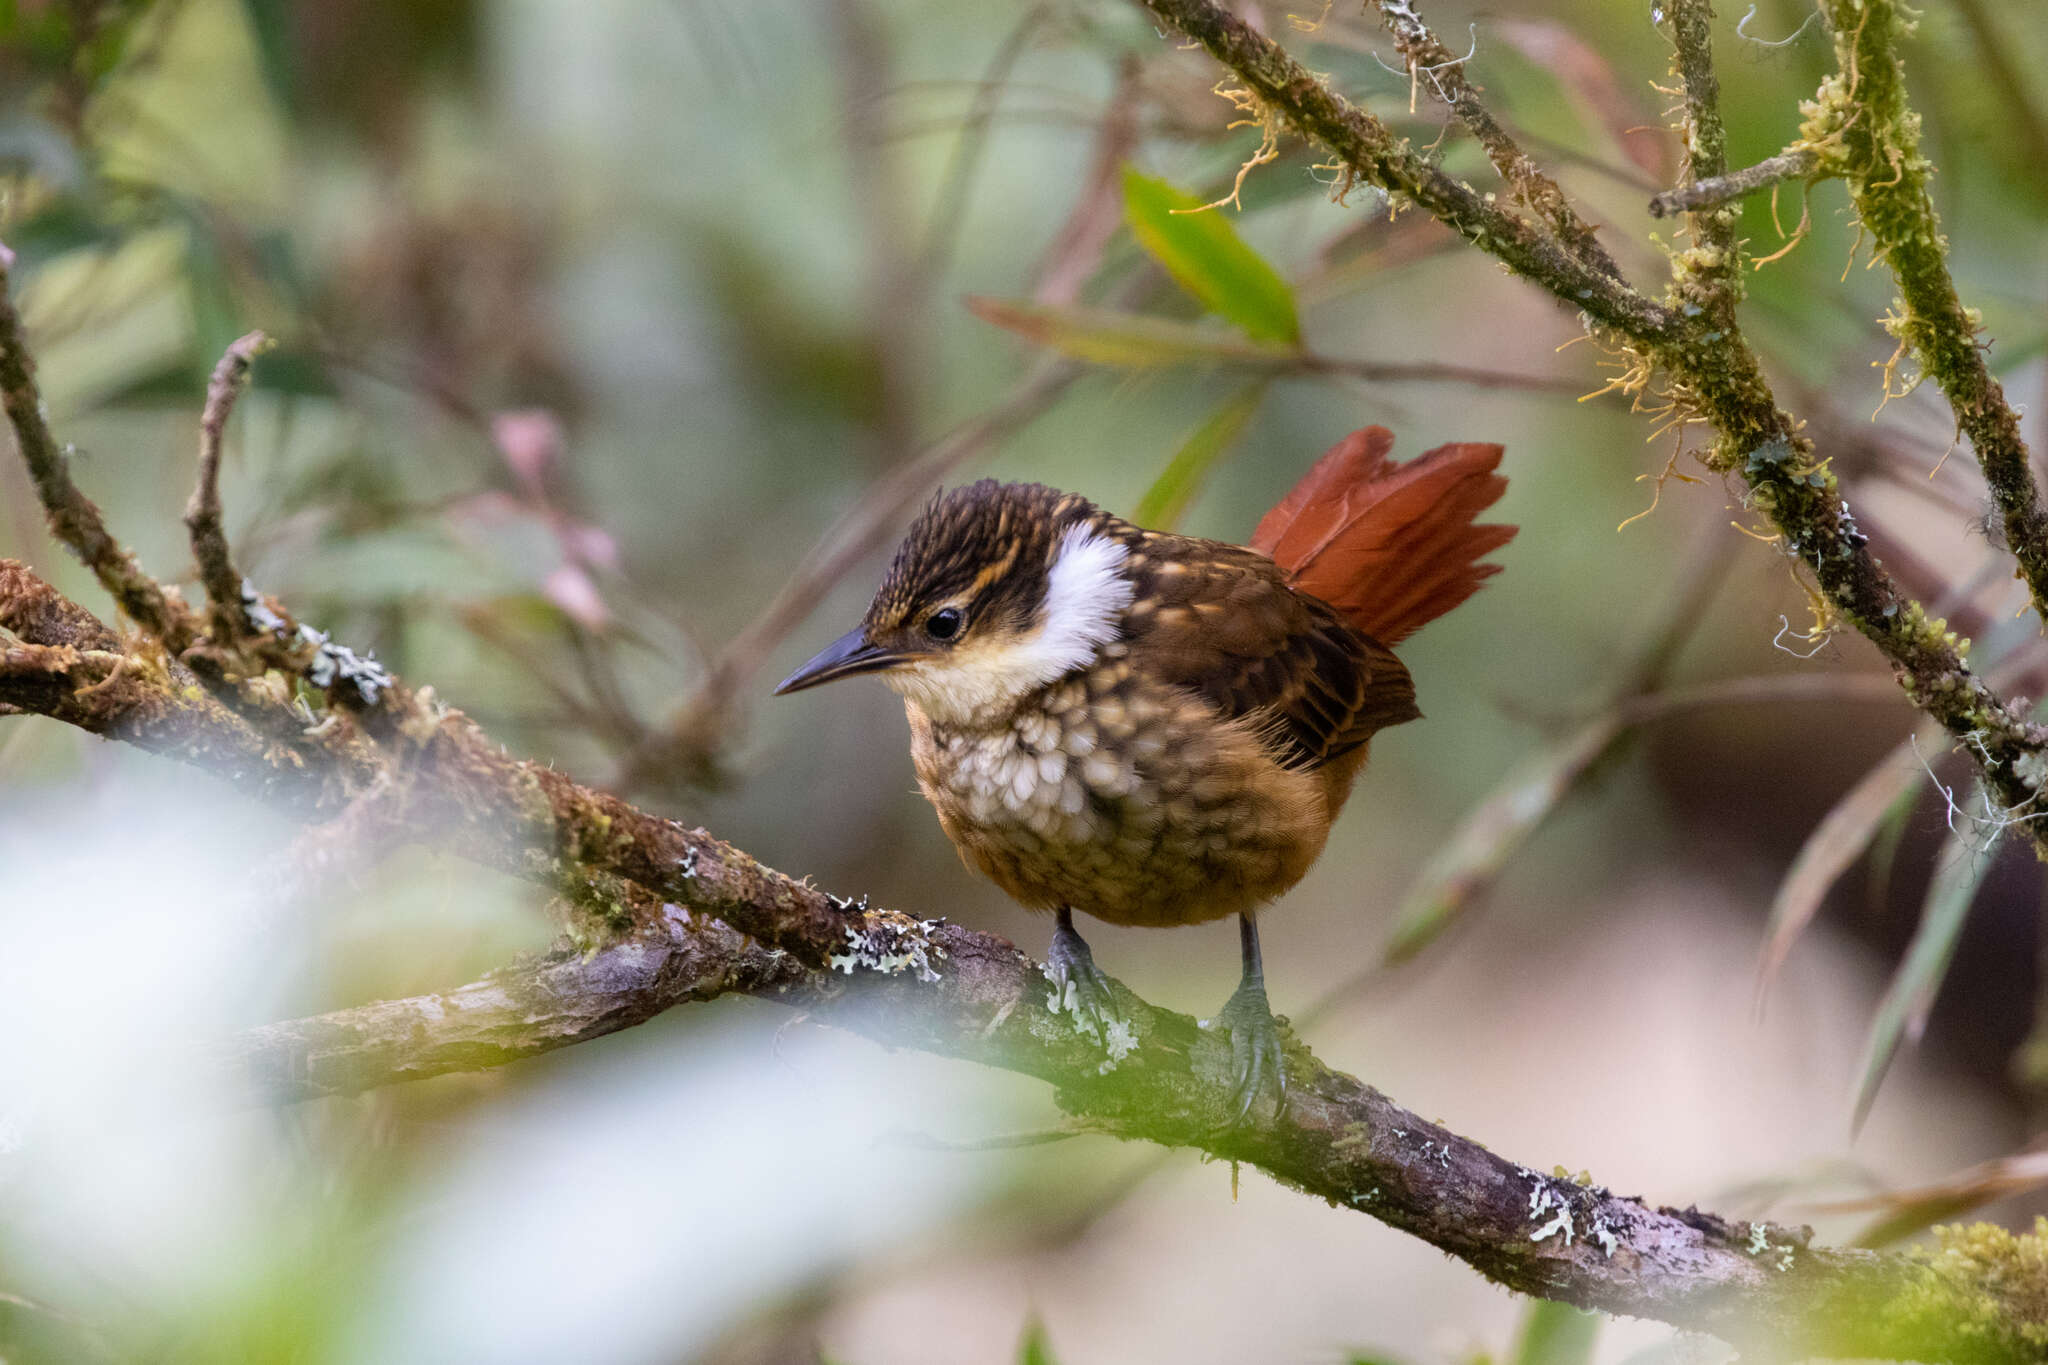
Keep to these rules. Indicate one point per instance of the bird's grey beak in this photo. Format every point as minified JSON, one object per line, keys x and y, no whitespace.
{"x":851,"y":653}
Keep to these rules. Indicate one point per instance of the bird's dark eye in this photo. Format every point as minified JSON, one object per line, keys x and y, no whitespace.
{"x":944,"y":623}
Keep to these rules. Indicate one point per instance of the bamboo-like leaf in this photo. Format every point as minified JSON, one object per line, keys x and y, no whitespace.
{"x":1166,"y":501}
{"x":1470,"y":862}
{"x":1033,"y":1348}
{"x":1906,"y":1212}
{"x":1841,"y":837}
{"x":1129,"y":341}
{"x":1557,"y":1334}
{"x":1201,"y":250}
{"x":1959,"y":871}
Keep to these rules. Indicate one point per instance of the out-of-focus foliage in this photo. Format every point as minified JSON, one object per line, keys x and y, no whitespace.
{"x":593,"y":317}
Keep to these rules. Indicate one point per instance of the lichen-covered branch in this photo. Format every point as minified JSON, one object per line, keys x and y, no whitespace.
{"x":1427,"y":56}
{"x":1796,"y":163}
{"x":1862,"y":112}
{"x":1711,"y":373}
{"x":967,"y":995}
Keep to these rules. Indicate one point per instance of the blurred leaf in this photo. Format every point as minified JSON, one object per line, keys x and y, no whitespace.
{"x":211,"y":296}
{"x":1467,"y":865}
{"x":1557,"y":1334}
{"x":1587,"y":75}
{"x":270,"y":32}
{"x":1034,"y":1349}
{"x":1910,"y":1211}
{"x":1166,"y":501}
{"x":1203,"y":251}
{"x":1836,"y":842}
{"x":1121,"y":340}
{"x":1959,"y":870}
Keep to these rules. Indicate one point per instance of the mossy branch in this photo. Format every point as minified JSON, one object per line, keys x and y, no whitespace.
{"x":1875,"y":145}
{"x":1427,"y":56}
{"x":1710,"y":372}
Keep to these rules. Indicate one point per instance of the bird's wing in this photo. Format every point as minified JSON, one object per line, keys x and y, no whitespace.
{"x":1224,"y":622}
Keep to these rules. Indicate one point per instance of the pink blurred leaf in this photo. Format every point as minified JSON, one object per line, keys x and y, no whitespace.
{"x":588,"y":544}
{"x":530,"y":440}
{"x":571,"y":589}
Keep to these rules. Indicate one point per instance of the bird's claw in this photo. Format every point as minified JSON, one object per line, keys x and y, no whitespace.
{"x":1079,"y":986}
{"x":1255,"y":1050}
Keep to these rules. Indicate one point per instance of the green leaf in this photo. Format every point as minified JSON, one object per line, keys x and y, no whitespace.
{"x":1202,"y":250}
{"x":1959,"y":871}
{"x":1557,"y":1334}
{"x":1166,"y":501}
{"x":1128,"y":341}
{"x":1836,"y":842}
{"x":1034,"y":1349}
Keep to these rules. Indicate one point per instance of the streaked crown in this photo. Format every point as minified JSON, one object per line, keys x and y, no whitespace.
{"x":985,"y":550}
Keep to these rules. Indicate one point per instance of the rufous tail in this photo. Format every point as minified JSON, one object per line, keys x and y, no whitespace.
{"x":1392,"y":546}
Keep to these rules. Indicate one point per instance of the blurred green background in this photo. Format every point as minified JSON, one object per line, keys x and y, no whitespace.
{"x":593,"y":320}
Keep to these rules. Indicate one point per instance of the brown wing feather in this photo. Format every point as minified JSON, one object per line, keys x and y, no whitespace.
{"x":1225,"y":622}
{"x":1390,"y":546}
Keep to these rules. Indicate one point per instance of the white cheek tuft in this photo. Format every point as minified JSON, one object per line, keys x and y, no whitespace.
{"x":1086,"y":594}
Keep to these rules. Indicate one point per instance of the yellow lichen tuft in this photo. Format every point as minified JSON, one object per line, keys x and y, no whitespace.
{"x":1257,"y":114}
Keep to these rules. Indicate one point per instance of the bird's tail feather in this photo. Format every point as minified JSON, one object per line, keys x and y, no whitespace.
{"x":1393,"y":546}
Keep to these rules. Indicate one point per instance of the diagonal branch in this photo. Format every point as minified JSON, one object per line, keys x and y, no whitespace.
{"x":1879,"y":140}
{"x":1426,"y":53}
{"x":1373,"y":151}
{"x":948,"y":990}
{"x":976,"y":998}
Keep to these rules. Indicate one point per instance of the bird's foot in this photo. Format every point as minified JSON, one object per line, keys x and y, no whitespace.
{"x":1255,"y":1049}
{"x":1078,"y":986}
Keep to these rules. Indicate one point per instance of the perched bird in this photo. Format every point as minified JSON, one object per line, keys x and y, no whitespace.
{"x":1155,"y":729}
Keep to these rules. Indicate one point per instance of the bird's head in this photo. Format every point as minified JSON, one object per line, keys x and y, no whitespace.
{"x":997,"y":590}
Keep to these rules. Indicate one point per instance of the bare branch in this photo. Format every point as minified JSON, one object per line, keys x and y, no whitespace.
{"x":1796,"y":163}
{"x":230,"y":620}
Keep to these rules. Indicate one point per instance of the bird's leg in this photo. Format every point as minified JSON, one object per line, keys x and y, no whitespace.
{"x":1254,"y":1033}
{"x":1079,"y":986}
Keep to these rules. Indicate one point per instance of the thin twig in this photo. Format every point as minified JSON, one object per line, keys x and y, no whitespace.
{"x":1424,"y":51}
{"x":217,"y":571}
{"x":1796,"y":163}
{"x":73,"y":519}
